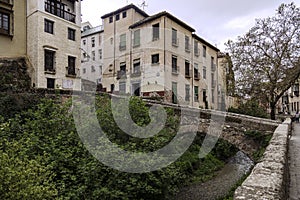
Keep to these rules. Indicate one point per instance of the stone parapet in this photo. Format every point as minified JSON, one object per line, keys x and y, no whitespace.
{"x":268,"y":178}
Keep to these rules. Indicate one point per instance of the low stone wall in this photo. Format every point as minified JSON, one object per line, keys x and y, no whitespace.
{"x":268,"y":178}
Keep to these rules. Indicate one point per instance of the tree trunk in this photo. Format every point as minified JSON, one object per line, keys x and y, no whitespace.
{"x":273,"y":109}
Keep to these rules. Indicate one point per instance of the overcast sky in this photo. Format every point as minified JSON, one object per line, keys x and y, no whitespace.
{"x":214,"y":20}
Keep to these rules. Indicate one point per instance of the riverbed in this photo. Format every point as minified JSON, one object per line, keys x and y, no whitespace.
{"x":220,"y":185}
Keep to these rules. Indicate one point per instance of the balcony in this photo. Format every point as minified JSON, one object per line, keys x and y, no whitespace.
{"x":49,"y":70}
{"x":136,"y":74}
{"x":175,"y":42}
{"x":197,"y":76}
{"x":121,"y":74}
{"x":58,"y":9}
{"x":175,"y":70}
{"x":72,"y":72}
{"x":188,"y":73}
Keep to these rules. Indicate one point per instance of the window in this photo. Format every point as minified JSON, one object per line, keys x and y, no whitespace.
{"x":100,"y":53}
{"x":93,"y":69}
{"x":49,"y":60}
{"x":204,"y":72}
{"x":48,"y":26}
{"x":212,"y":95}
{"x":187,"y":69}
{"x":213,"y":66}
{"x":122,"y":72}
{"x":187,"y":44}
{"x":174,"y":64}
{"x":196,"y":93}
{"x":187,"y":92}
{"x":84,"y":42}
{"x":122,"y":42}
{"x":122,"y":87}
{"x":213,"y":84}
{"x":93,"y":55}
{"x":71,"y":66}
{"x":124,"y":14}
{"x":204,"y":95}
{"x":136,"y":66}
{"x":71,"y":34}
{"x":50,"y":83}
{"x":155,"y":59}
{"x":196,"y":49}
{"x":112,"y":87}
{"x":100,"y":40}
{"x":174,"y":92}
{"x":204,"y":51}
{"x":117,"y":17}
{"x":4,"y":23}
{"x":84,"y":70}
{"x":155,"y":31}
{"x":136,"y":89}
{"x":196,"y":71}
{"x":174,"y":37}
{"x":93,"y":41}
{"x":110,"y":19}
{"x":136,"y":38}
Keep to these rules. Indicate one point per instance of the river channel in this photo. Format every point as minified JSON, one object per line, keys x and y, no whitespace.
{"x":220,"y":185}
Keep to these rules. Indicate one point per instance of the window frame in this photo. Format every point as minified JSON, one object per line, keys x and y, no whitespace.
{"x":155,"y":59}
{"x":71,"y":34}
{"x":5,"y":30}
{"x":155,"y":32}
{"x":48,"y":26}
{"x":122,"y":44}
{"x":136,"y":38}
{"x":49,"y":61}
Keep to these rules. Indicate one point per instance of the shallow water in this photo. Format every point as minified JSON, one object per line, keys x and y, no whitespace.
{"x":220,"y":185}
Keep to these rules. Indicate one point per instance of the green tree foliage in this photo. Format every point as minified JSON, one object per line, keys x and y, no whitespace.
{"x":266,"y":59}
{"x":42,"y":157}
{"x":252,"y":108}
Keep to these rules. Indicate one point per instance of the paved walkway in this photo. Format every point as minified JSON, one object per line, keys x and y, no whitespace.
{"x":294,"y":163}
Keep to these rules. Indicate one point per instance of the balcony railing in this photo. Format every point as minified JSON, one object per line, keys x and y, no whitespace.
{"x":72,"y":72}
{"x":136,"y":74}
{"x":121,"y":74}
{"x":53,"y":9}
{"x":49,"y":70}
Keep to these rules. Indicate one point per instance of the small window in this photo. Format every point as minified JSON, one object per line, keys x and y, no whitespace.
{"x":93,"y":55}
{"x":93,"y":69}
{"x":48,"y":26}
{"x":84,"y":42}
{"x":49,"y":61}
{"x":71,"y":66}
{"x":50,"y":83}
{"x":187,"y":92}
{"x":100,"y":54}
{"x":155,"y":59}
{"x":196,"y":93}
{"x":187,"y":69}
{"x":174,"y":37}
{"x":204,"y":72}
{"x":71,"y":34}
{"x":155,"y":31}
{"x":187,"y":44}
{"x":110,"y":19}
{"x":204,"y":51}
{"x":84,"y":70}
{"x":136,"y":38}
{"x":122,"y":42}
{"x":93,"y":42}
{"x":4,"y":23}
{"x":124,"y":14}
{"x":196,"y":49}
{"x":174,"y":64}
{"x":117,"y":17}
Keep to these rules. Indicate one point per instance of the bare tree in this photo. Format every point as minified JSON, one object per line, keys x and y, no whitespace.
{"x":266,"y":59}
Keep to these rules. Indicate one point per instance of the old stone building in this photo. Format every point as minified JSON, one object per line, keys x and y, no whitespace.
{"x":47,"y":34}
{"x":161,"y":56}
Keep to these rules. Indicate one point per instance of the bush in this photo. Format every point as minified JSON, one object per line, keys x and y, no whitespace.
{"x":251,"y":108}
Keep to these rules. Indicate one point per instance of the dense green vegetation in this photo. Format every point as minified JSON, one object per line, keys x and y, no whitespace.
{"x":42,"y":157}
{"x":250,"y":107}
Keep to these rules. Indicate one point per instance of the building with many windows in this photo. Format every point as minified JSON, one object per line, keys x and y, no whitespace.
{"x":160,"y":56}
{"x":53,"y":43}
{"x":91,"y":53}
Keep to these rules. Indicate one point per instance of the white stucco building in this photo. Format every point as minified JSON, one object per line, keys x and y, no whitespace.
{"x":157,"y":55}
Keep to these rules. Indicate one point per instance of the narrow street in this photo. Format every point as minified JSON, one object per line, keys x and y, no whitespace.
{"x":294,"y":163}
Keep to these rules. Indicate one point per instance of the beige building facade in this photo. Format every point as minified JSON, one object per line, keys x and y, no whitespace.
{"x":290,"y":101}
{"x":53,"y":43}
{"x":12,"y":28}
{"x":159,"y":56}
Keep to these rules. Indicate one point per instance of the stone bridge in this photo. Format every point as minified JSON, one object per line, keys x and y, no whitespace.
{"x":232,"y":127}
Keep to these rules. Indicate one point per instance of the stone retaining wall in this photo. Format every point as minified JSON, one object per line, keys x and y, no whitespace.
{"x":268,"y":178}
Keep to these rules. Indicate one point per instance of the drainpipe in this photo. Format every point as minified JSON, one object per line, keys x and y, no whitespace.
{"x":164,"y":54}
